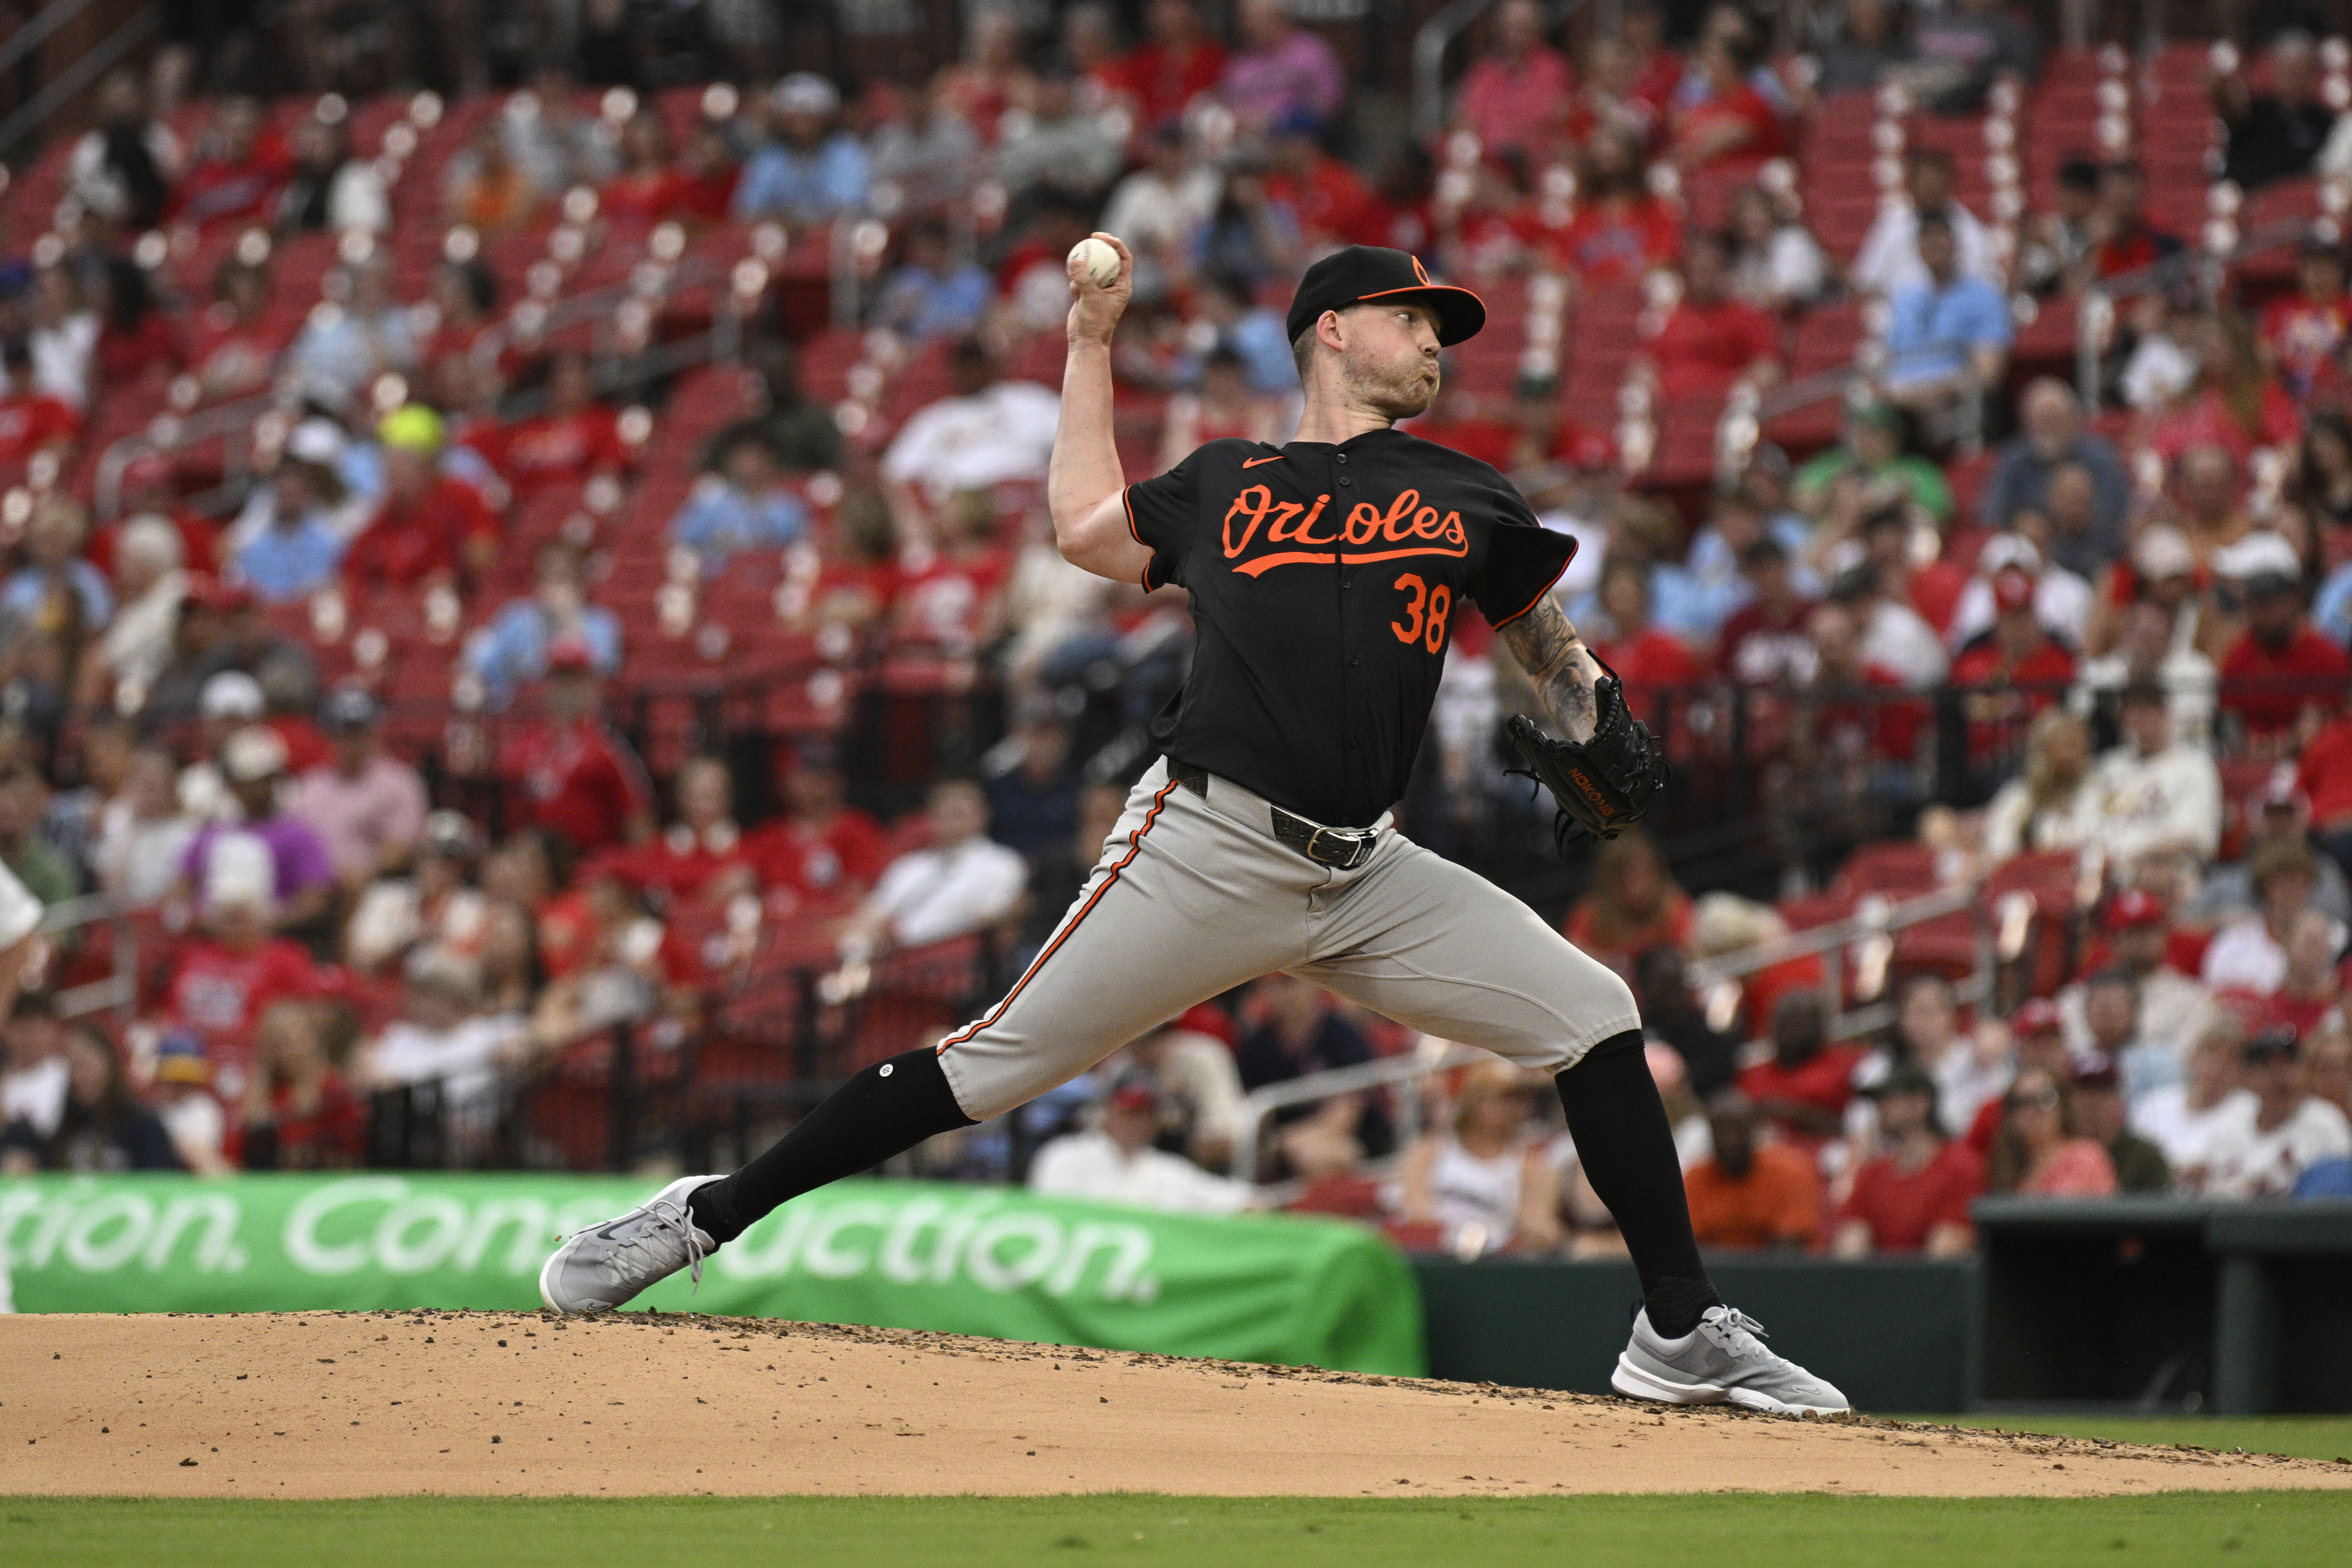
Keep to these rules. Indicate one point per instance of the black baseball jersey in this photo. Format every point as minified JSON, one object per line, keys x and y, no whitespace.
{"x":1324,"y":581}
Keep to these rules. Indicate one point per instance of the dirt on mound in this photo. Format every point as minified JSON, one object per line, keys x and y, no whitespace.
{"x":361,"y":1405}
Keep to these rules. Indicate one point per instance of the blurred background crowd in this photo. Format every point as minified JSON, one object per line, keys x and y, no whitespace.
{"x":529,"y":635}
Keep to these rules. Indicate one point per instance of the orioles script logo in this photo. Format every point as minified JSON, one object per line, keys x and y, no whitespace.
{"x":1406,"y":528}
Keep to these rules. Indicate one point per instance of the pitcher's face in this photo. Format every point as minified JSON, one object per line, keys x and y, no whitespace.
{"x":1391,"y":358}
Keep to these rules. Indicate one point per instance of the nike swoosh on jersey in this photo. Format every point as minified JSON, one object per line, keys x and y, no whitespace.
{"x":1254,"y":462}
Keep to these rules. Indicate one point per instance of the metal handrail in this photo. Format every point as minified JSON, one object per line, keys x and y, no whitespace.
{"x":1403,"y":1071}
{"x":185,"y":430}
{"x":593,"y":304}
{"x":119,"y":990}
{"x":36,"y":33}
{"x":1871,"y":923}
{"x":69,"y":81}
{"x":1856,"y":927}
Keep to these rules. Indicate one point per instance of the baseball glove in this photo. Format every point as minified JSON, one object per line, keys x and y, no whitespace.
{"x":1602,"y":785}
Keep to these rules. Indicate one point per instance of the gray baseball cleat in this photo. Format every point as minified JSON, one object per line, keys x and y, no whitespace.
{"x":599,"y":1268}
{"x":1722,"y":1360}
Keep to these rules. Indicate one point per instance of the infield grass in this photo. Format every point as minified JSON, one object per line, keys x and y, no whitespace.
{"x":2303,"y":1437}
{"x":2293,"y":1529}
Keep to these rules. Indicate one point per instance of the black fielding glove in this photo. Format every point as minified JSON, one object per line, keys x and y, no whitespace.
{"x":1603,"y":784}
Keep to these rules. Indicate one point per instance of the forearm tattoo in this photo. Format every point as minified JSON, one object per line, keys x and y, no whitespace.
{"x":1546,"y":643}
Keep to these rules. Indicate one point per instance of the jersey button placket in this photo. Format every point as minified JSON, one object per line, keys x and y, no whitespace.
{"x":1348,"y":742}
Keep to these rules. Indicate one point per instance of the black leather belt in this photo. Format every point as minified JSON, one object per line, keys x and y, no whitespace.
{"x":1341,"y":848}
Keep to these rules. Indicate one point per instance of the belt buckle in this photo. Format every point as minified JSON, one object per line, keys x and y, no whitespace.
{"x":1348,"y":859}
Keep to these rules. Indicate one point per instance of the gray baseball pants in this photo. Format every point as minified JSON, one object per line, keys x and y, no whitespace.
{"x":1195,"y":894}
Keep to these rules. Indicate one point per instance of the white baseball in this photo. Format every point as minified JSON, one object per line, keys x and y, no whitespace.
{"x":1098,"y":258}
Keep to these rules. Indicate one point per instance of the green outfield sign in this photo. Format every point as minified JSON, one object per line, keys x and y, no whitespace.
{"x":957,"y":1259}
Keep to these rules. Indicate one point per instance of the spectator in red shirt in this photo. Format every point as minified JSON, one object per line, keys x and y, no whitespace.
{"x":135,"y":340}
{"x":2122,"y":239}
{"x":300,"y":1112}
{"x":465,"y":300}
{"x":1913,"y":1195}
{"x":821,"y":848}
{"x":2323,"y":778}
{"x":2040,"y":1151}
{"x":236,"y":339}
{"x":31,"y":422}
{"x":1457,"y":419}
{"x":1657,"y":71}
{"x":1621,"y":230}
{"x":1633,"y":905}
{"x":1712,"y":340}
{"x":2234,"y":403}
{"x":240,"y":166}
{"x":2312,"y":984}
{"x":1850,"y":718}
{"x":1608,"y":94}
{"x":1329,"y":199}
{"x":2016,"y":670}
{"x":572,"y":775}
{"x":1732,"y":127}
{"x":2302,"y":331}
{"x":1511,"y":97}
{"x":707,"y":174}
{"x":1177,"y":60}
{"x":2281,"y":677}
{"x":703,"y":855}
{"x":647,"y":189}
{"x":1806,"y":1084}
{"x":950,"y":596}
{"x":227,"y":977}
{"x":1765,"y":642}
{"x":1657,"y":666}
{"x":2038,"y":1038}
{"x":573,"y":438}
{"x":431,"y":527}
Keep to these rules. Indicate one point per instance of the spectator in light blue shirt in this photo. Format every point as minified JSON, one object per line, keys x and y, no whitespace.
{"x":1650,"y":534}
{"x":2332,"y":612}
{"x":744,"y":506}
{"x":809,"y":171}
{"x":1719,"y":585}
{"x":1251,"y":330}
{"x":513,"y":650}
{"x":931,"y":295}
{"x":1948,"y":333}
{"x":295,"y":553}
{"x":53,"y":561}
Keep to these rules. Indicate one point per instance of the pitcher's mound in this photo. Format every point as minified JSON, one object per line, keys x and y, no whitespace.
{"x":358,"y":1404}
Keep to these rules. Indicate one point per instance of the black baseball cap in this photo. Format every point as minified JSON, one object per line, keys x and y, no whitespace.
{"x":1363,"y":272}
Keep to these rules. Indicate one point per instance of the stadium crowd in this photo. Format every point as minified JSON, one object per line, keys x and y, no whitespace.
{"x":1984,"y":622}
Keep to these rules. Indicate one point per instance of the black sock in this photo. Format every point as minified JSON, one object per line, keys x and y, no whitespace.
{"x":1627,"y":1149}
{"x":884,"y":1110}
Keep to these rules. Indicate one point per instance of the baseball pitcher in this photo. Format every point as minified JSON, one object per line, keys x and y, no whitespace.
{"x":1326,"y":578}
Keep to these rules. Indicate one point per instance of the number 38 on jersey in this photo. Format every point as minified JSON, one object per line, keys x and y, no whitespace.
{"x":1425,"y":609}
